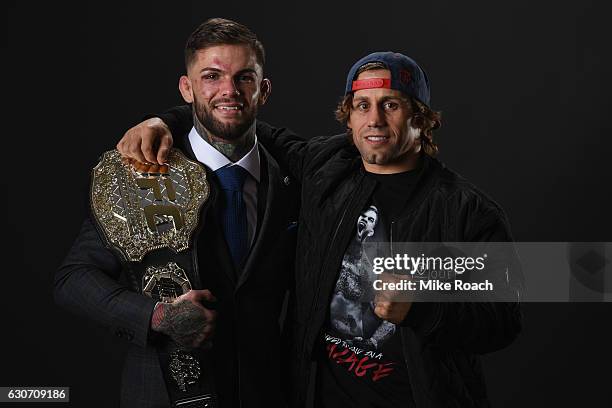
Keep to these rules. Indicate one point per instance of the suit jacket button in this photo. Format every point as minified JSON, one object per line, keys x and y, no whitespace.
{"x":287,"y":180}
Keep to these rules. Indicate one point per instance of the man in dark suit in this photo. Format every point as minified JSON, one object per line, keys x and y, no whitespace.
{"x":244,"y":249}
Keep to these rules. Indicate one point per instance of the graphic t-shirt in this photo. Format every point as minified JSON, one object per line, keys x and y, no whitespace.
{"x":362,"y":364}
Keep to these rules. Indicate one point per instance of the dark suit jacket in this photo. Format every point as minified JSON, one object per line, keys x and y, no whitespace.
{"x":248,"y":353}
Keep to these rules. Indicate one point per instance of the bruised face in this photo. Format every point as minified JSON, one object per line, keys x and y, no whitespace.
{"x":226,"y":86}
{"x":380,"y":120}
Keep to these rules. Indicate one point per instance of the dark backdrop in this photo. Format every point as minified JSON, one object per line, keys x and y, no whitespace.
{"x":524,"y":90}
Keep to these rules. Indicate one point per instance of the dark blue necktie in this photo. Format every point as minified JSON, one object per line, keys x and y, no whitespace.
{"x":234,"y":216}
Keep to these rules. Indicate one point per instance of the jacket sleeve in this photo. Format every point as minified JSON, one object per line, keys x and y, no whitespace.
{"x":87,"y":284}
{"x":477,"y":327}
{"x":178,"y":118}
{"x":289,"y":149}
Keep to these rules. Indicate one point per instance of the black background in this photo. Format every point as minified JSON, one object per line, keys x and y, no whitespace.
{"x":524,"y":91}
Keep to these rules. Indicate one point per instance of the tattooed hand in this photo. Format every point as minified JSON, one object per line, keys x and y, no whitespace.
{"x":185,"y":320}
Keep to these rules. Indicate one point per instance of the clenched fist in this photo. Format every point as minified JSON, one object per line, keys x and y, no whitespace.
{"x":390,"y":305}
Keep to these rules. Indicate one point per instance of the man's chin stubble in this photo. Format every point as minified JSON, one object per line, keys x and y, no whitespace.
{"x":375,"y":158}
{"x":229,"y":133}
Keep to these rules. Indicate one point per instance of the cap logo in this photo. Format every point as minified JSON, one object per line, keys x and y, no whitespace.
{"x":405,"y":76}
{"x":371,"y":83}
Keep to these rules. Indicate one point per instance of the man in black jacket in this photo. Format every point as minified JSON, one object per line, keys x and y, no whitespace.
{"x":380,"y":182}
{"x":246,"y":271}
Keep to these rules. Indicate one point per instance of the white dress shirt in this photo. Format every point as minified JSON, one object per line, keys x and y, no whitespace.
{"x":214,"y":159}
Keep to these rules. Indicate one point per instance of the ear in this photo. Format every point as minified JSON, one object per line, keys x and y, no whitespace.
{"x":186,"y":89}
{"x":348,"y":123}
{"x":415,"y":125}
{"x":414,"y":132}
{"x":348,"y":118}
{"x":266,"y":89}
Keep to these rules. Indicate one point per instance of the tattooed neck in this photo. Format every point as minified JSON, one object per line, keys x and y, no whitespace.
{"x":234,"y":150}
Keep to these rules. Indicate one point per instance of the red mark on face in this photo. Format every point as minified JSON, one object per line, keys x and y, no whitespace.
{"x":217,"y":61}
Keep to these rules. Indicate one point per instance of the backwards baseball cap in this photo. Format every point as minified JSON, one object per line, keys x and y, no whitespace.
{"x":406,"y":76}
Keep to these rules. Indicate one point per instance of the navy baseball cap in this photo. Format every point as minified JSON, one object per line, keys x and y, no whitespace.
{"x":406,"y":76}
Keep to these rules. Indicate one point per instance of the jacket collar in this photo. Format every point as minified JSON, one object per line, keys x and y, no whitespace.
{"x":214,"y":159}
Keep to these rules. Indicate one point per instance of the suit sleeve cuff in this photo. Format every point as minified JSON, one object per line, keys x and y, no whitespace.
{"x":140,"y":310}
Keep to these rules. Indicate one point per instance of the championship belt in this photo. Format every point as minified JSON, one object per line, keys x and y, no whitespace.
{"x":148,"y":214}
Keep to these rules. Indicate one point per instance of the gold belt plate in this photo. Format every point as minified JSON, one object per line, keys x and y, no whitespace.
{"x":143,"y":211}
